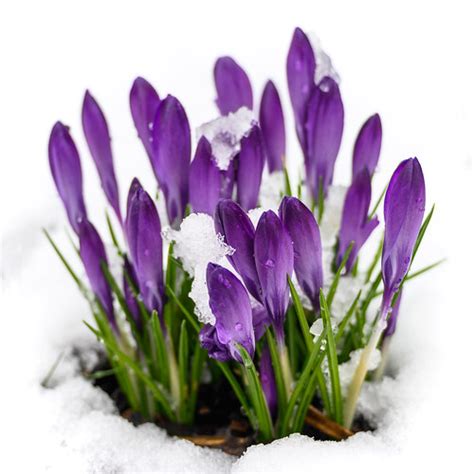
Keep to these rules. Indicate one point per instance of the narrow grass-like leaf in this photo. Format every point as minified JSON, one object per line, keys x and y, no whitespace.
{"x":332,"y":360}
{"x":377,"y":204}
{"x":259,"y":401}
{"x":337,"y":276}
{"x":300,"y":315}
{"x":196,"y":371}
{"x":320,"y":201}
{"x":161,"y":350}
{"x":279,"y":382}
{"x":183,"y":367}
{"x":191,"y":319}
{"x":113,"y":235}
{"x":287,"y":182}
{"x":375,"y":261}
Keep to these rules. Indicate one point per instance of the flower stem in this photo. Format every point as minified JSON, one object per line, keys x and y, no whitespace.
{"x":285,"y":368}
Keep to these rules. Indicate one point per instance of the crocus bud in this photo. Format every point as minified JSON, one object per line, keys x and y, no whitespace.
{"x":272,"y":124}
{"x":143,"y":231}
{"x":66,"y":170}
{"x":392,"y":320}
{"x":144,"y":102}
{"x":367,"y":146}
{"x":267,"y":379}
{"x":230,"y":304}
{"x":235,"y":226}
{"x":204,"y":179}
{"x":404,"y":207}
{"x":171,"y":156}
{"x":97,"y":136}
{"x":233,"y":86}
{"x":250,"y":169}
{"x":355,"y":225}
{"x":300,"y":70}
{"x":92,"y":252}
{"x":324,"y":125}
{"x":300,"y":223}
{"x":129,"y":276}
{"x":260,"y":321}
{"x":273,"y":252}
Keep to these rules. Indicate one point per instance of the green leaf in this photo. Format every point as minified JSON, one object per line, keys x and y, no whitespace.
{"x":287,"y":182}
{"x":300,"y":315}
{"x":191,"y":319}
{"x":332,"y":360}
{"x":277,"y":370}
{"x":375,"y":260}
{"x":183,"y":367}
{"x":377,"y":204}
{"x":337,"y":276}
{"x":320,"y":201}
{"x":113,"y":236}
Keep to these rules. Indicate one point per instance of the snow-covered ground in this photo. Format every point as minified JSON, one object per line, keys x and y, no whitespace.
{"x":416,"y":73}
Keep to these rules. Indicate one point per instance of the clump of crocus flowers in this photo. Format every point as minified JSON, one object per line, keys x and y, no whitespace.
{"x":271,"y":288}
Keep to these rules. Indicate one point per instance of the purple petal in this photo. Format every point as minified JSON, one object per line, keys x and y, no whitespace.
{"x":273,"y":251}
{"x":404,"y":207}
{"x":97,"y":136}
{"x":204,"y":180}
{"x":171,"y":156}
{"x":66,"y":170}
{"x":367,"y":146}
{"x":235,"y":226}
{"x":228,"y":178}
{"x":143,"y":230}
{"x":300,"y":70}
{"x":260,"y":320}
{"x":267,"y":379}
{"x":324,"y":125}
{"x":250,"y":169}
{"x":392,"y":320}
{"x":144,"y":102}
{"x":300,"y":223}
{"x":232,"y":85}
{"x":230,"y":304}
{"x":355,"y":226}
{"x":272,"y":124}
{"x":93,"y":254}
{"x":210,"y":342}
{"x":132,"y":304}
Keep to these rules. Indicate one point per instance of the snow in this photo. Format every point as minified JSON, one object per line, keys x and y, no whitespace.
{"x":324,"y":66}
{"x":224,"y":134}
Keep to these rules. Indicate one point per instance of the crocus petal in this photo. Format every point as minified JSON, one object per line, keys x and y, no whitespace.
{"x":93,"y":255}
{"x":272,"y":124}
{"x":233,"y":86}
{"x":97,"y":136}
{"x":355,"y":226}
{"x":66,"y":170}
{"x":143,"y":230}
{"x":267,"y":379}
{"x":144,"y":102}
{"x":273,"y":251}
{"x":230,"y":304}
{"x":324,"y":125}
{"x":260,"y":320}
{"x":250,"y":169}
{"x":300,"y":70}
{"x":404,"y":207}
{"x":210,"y":342}
{"x":392,"y":320}
{"x":300,"y":223}
{"x":129,"y":273}
{"x":367,"y":146}
{"x":204,"y":180}
{"x":228,"y":177}
{"x":235,"y":226}
{"x":171,"y":156}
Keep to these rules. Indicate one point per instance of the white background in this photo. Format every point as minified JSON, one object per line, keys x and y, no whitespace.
{"x":410,"y":61}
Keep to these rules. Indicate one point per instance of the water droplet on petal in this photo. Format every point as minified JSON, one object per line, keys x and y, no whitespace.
{"x":270,"y":263}
{"x":238,"y":326}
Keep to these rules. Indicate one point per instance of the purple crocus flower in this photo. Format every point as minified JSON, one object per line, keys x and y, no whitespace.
{"x":250,"y":169}
{"x":129,"y":273}
{"x":355,"y":225}
{"x":143,"y":231}
{"x":301,"y":224}
{"x":367,"y":146}
{"x":260,"y":321}
{"x":230,"y":304}
{"x":324,"y":125}
{"x":228,"y":178}
{"x":97,"y":136}
{"x":404,"y":207}
{"x":273,"y":252}
{"x":93,"y":255}
{"x":233,"y":86}
{"x":300,"y":70}
{"x":267,"y":379}
{"x":144,"y":102}
{"x":204,"y":179}
{"x":171,"y":156}
{"x":235,"y":226}
{"x":67,"y":174}
{"x":392,"y":320}
{"x":272,"y":124}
